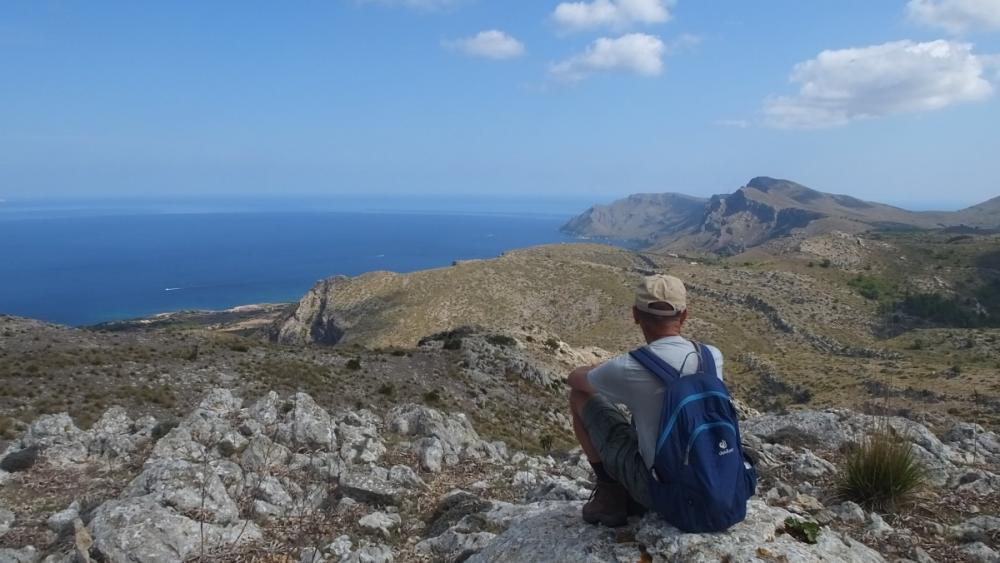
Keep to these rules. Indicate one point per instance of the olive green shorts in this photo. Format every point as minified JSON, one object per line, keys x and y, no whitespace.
{"x":616,"y":442}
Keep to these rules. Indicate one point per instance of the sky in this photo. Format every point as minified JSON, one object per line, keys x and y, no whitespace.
{"x":894,"y":100}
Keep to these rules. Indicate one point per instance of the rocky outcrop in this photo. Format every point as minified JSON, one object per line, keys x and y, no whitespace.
{"x":312,"y":320}
{"x":282,"y":476}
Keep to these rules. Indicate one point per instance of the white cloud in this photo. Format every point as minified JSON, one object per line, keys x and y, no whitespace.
{"x":492,"y":44}
{"x":636,"y":52}
{"x":955,"y":16}
{"x":838,"y":87}
{"x":616,"y":14}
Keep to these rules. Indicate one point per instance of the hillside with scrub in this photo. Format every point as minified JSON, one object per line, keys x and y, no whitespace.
{"x":422,"y":416}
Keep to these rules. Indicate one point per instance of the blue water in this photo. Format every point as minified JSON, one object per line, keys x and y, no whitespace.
{"x":81,"y":267}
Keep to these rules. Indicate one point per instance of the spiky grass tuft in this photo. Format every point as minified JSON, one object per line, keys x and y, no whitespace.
{"x":883,"y":473}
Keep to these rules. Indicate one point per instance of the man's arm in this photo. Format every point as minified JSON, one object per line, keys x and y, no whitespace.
{"x":578,"y":380}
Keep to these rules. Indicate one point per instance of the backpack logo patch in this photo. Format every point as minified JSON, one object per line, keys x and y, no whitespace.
{"x":724,"y":448}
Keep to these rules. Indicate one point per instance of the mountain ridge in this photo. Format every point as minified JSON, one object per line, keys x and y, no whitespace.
{"x":762,"y":210}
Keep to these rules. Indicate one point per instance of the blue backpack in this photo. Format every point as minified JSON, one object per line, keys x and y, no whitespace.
{"x":701,"y":481}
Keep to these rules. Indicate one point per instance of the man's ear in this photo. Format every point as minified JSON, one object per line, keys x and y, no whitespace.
{"x":684,"y":316}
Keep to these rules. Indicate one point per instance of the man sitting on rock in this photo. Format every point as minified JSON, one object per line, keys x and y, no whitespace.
{"x":622,"y":454}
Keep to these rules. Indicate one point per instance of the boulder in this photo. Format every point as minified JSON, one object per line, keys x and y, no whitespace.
{"x":116,"y":436}
{"x":359,"y":437}
{"x":454,"y":546}
{"x":979,"y":552}
{"x":980,"y":528}
{"x":63,"y":520}
{"x":380,"y":486}
{"x":307,"y":425}
{"x":849,"y":512}
{"x":431,"y":454}
{"x":56,"y":438}
{"x":22,"y":555}
{"x":558,"y":534}
{"x":454,"y":432}
{"x":141,"y":530}
{"x":185,"y":487}
{"x":380,"y":522}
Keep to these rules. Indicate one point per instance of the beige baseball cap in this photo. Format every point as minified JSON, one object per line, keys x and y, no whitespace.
{"x":661,"y":289}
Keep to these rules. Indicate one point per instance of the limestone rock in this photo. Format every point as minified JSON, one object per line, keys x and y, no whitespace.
{"x":313,"y":320}
{"x":371,"y":486}
{"x":141,"y":530}
{"x":980,"y":528}
{"x":454,"y":433}
{"x":431,"y":453}
{"x":359,"y":437}
{"x":380,"y":522}
{"x":849,"y":512}
{"x":978,"y":552}
{"x":560,"y":535}
{"x":455,"y":546}
{"x":187,"y":488}
{"x":115,"y":436}
{"x":262,"y":454}
{"x":22,"y":555}
{"x":54,"y":437}
{"x":308,"y":425}
{"x":63,"y":519}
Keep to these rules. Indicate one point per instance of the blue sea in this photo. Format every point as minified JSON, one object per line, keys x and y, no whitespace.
{"x":81,"y":264}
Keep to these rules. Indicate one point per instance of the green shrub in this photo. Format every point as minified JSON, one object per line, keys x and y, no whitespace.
{"x":801,"y":530}
{"x":501,"y":340}
{"x":873,"y":288}
{"x":354,"y":364}
{"x":387,"y":389}
{"x":432,"y":397}
{"x":883,"y":473}
{"x":940,"y":310}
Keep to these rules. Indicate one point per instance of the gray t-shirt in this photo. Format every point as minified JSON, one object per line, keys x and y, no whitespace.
{"x":623,"y":380}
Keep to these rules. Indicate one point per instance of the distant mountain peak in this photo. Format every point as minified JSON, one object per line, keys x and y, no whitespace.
{"x":765,"y":183}
{"x":764,"y":209}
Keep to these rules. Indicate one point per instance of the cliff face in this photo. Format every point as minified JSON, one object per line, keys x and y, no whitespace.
{"x":763,"y":210}
{"x":313,"y":319}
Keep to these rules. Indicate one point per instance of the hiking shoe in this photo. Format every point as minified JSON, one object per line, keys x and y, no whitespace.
{"x":608,"y":505}
{"x":635,"y":508}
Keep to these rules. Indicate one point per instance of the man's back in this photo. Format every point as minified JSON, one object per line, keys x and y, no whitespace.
{"x":623,"y":380}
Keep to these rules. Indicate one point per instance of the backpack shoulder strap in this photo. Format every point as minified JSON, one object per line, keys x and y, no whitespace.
{"x":706,"y":359}
{"x":655,"y":365}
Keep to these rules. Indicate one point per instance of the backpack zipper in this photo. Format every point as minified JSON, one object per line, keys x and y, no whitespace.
{"x":677,"y":412}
